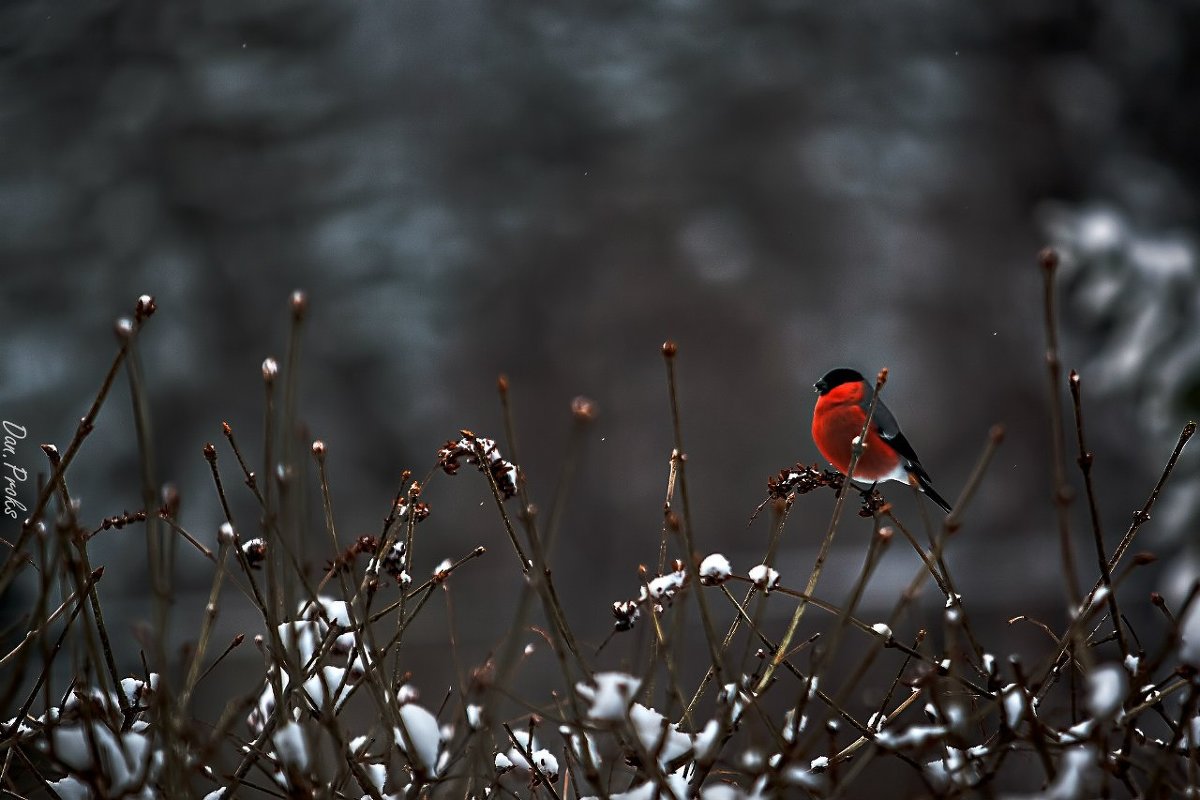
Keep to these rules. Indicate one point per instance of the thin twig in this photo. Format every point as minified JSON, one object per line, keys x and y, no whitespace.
{"x":1048,"y":259}
{"x":669,"y":351}
{"x":1085,"y":460}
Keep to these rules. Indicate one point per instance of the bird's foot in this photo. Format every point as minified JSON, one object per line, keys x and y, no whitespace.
{"x":873,"y":502}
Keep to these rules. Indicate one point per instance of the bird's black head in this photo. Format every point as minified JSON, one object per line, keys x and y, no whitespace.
{"x":835,"y":378}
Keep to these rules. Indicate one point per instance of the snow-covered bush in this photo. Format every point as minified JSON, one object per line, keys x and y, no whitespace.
{"x":771,"y":709}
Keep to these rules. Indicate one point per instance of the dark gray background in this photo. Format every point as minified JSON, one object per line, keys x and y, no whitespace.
{"x":550,"y":191}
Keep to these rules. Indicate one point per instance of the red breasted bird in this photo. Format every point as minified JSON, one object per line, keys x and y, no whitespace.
{"x":844,"y":397}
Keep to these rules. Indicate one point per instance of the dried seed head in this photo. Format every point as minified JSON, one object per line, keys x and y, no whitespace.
{"x":885,"y":534}
{"x":625,"y":613}
{"x":318,"y":449}
{"x":669,"y":349}
{"x":502,"y":384}
{"x":255,"y":552}
{"x":270,"y":369}
{"x":764,"y":577}
{"x":484,"y":454}
{"x":210,"y":452}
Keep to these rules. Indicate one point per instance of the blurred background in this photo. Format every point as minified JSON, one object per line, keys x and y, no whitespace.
{"x":550,"y":191}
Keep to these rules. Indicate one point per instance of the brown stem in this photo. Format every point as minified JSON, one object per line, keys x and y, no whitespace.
{"x":1085,"y":460}
{"x":1048,"y":259}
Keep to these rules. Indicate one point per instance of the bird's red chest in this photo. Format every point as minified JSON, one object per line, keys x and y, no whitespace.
{"x":837,"y":420}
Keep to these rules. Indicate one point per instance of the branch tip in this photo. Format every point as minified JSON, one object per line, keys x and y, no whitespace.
{"x":123,"y":328}
{"x":1048,"y":259}
{"x":299,"y":301}
{"x":583,"y":409}
{"x":145,"y":308}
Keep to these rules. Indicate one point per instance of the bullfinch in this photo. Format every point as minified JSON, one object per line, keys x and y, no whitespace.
{"x":843,"y":399}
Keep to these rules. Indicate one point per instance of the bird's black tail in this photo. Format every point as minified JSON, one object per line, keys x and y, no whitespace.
{"x":926,"y":486}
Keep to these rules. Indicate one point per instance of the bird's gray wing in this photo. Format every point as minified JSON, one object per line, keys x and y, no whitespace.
{"x":889,"y":429}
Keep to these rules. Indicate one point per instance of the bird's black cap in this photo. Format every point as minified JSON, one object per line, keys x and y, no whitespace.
{"x":835,"y":378}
